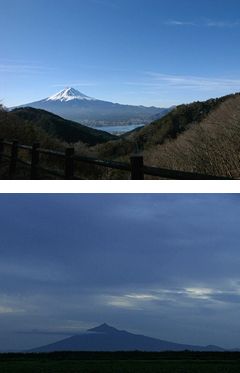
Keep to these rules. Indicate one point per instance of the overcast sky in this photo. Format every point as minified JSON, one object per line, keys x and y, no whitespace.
{"x":156,"y":52}
{"x":162,"y":265}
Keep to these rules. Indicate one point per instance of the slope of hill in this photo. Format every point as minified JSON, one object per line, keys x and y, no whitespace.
{"x":169,"y":127}
{"x":63,"y":129}
{"x":209,"y":146}
{"x":27,"y":132}
{"x":108,"y":338}
{"x":74,"y":105}
{"x":178,"y":120}
{"x":200,"y":137}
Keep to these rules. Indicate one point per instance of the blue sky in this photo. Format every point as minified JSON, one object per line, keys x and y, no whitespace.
{"x":162,"y":265}
{"x":157,"y":52}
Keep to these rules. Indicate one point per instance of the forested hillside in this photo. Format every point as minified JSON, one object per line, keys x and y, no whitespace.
{"x":199,"y":137}
{"x":210,"y":146}
{"x":202,"y":137}
{"x":13,"y":127}
{"x":62,"y":129}
{"x":171,"y":125}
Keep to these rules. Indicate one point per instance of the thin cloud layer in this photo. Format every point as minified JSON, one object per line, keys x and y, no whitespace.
{"x":205,"y":23}
{"x":169,"y":82}
{"x":180,"y":23}
{"x":27,"y":68}
{"x":221,"y":24}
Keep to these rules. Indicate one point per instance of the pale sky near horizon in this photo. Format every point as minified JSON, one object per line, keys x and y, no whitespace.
{"x":159,"y":52}
{"x":161,"y":265}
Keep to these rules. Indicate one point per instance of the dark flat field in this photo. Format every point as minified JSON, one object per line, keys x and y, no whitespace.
{"x":131,"y":366}
{"x":100,"y":363}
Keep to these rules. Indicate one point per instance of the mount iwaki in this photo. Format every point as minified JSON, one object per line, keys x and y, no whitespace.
{"x":108,"y":338}
{"x":73,"y":105}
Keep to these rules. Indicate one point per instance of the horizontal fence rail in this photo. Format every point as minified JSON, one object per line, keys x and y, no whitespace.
{"x":135,"y":167}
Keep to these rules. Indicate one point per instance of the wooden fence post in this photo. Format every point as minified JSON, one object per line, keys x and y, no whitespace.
{"x":13,"y":160}
{"x":1,"y":148}
{"x":34,"y":162}
{"x":136,"y":167}
{"x":69,"y":164}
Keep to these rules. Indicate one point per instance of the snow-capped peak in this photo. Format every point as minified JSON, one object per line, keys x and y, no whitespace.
{"x":68,"y":94}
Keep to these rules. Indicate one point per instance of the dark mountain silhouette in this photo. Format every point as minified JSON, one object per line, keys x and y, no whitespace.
{"x":63,"y":129}
{"x":108,"y":338}
{"x":74,"y":105}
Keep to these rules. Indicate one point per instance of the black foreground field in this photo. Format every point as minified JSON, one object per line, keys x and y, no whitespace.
{"x":124,"y":362}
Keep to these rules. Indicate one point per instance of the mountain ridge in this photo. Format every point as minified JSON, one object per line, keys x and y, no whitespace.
{"x":73,"y":105}
{"x":103,"y":328}
{"x":108,"y":338}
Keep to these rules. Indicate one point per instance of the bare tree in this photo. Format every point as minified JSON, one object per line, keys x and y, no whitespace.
{"x":210,"y":147}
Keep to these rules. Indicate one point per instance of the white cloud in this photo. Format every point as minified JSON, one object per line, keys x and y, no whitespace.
{"x":206,"y":23}
{"x":142,"y":296}
{"x":163,"y":298}
{"x":221,"y":24}
{"x":120,"y":301}
{"x":10,"y":304}
{"x":4,"y":309}
{"x":187,"y":82}
{"x":23,"y":68}
{"x":180,"y":23}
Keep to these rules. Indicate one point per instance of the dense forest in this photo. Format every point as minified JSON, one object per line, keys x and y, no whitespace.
{"x":202,"y":137}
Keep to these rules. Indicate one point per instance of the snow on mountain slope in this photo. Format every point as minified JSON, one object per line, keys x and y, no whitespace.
{"x":73,"y":105}
{"x":68,"y":94}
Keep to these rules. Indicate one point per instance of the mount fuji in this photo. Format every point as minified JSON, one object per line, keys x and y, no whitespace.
{"x":73,"y":105}
{"x":68,"y":94}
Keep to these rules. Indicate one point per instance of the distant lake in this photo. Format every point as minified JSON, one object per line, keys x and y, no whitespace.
{"x":118,"y":128}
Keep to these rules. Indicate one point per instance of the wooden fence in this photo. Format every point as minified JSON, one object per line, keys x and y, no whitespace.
{"x":135,"y":167}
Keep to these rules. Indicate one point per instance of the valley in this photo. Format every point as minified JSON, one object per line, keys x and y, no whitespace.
{"x":200,"y":137}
